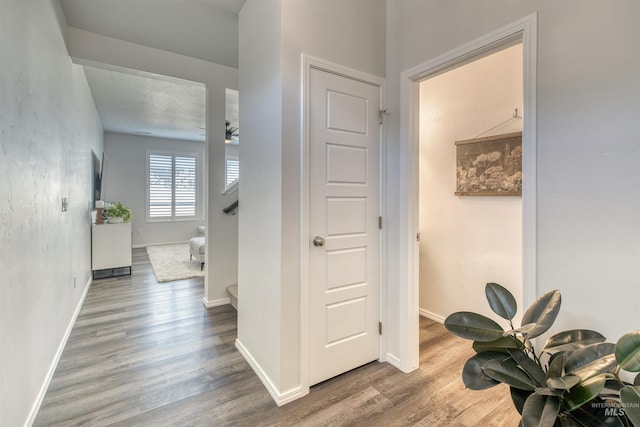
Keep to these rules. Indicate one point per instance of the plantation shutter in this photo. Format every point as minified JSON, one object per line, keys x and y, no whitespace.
{"x":160,"y":186}
{"x":233,"y":170}
{"x":185,"y":186}
{"x":172,"y":186}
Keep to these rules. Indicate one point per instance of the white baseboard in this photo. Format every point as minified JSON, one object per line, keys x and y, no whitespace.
{"x":56,"y":358}
{"x":432,"y":316}
{"x":278,"y":397}
{"x":215,"y":302}
{"x":393,"y":360}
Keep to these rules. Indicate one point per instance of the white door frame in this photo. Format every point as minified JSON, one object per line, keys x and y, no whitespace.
{"x":525,"y":31}
{"x":309,"y":62}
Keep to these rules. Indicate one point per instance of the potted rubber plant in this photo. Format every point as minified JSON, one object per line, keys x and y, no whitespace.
{"x":577,"y":379}
{"x":117,"y":213}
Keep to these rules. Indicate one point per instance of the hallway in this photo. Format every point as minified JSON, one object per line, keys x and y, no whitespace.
{"x":143,"y":353}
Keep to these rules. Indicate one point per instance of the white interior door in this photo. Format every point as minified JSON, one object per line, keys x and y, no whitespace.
{"x":343,"y":224}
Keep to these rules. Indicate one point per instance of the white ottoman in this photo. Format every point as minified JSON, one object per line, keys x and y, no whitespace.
{"x":196,"y":247}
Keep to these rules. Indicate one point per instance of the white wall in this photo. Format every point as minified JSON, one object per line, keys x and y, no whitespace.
{"x":467,"y":241}
{"x":588,"y":128}
{"x":260,"y":213}
{"x":273,"y":36}
{"x":126,"y":180}
{"x":231,"y":151}
{"x":49,"y":135}
{"x":222,"y":256}
{"x":349,"y":33}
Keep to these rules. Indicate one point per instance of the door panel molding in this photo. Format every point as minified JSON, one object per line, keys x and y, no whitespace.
{"x":307,"y":64}
{"x":343,"y":327}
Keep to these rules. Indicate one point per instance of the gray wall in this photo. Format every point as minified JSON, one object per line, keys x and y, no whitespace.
{"x":588,"y":128}
{"x":50,"y":136}
{"x":126,"y":182}
{"x":273,"y":36}
{"x":260,"y":216}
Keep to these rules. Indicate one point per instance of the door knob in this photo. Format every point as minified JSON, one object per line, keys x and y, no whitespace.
{"x":318,"y":241}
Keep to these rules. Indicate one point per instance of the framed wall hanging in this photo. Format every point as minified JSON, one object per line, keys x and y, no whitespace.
{"x":489,"y":166}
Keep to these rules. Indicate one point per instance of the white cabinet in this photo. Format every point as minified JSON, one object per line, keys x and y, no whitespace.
{"x":110,"y":246}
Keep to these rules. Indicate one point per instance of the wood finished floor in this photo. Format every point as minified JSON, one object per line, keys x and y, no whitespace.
{"x":149,"y":354}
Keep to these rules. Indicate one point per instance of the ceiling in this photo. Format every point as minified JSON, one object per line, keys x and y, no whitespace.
{"x":141,"y":103}
{"x":204,"y":29}
{"x":148,"y":105}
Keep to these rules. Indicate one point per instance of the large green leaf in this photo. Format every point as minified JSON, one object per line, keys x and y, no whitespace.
{"x":628,"y":351}
{"x":501,"y":345}
{"x":584,"y":392}
{"x":530,"y":367}
{"x":630,"y":397}
{"x":572,"y":340}
{"x":501,"y":301}
{"x":563,"y":383}
{"x":474,"y":377}
{"x":473,"y":326}
{"x":567,"y":421}
{"x":556,"y":364}
{"x":540,"y":411}
{"x":613,"y":385}
{"x":506,"y":371}
{"x":592,"y":358}
{"x":543,"y":312}
{"x":519,"y":397}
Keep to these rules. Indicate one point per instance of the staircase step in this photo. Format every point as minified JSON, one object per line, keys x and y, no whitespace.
{"x":232,"y":290}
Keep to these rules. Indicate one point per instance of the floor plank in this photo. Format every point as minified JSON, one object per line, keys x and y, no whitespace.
{"x":143,"y":353}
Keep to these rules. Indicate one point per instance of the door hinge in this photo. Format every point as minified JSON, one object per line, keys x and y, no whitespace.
{"x":380,"y":116}
{"x":380,"y":222}
{"x":380,"y":328}
{"x":418,"y":237}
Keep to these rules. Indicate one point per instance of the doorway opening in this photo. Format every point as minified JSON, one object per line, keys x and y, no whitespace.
{"x":473,"y":237}
{"x":523,"y":31}
{"x":156,"y":145}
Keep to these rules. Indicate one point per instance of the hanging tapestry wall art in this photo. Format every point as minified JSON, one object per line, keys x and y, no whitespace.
{"x":489,"y":166}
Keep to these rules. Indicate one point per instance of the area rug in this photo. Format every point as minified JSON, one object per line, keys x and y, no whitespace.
{"x":171,"y":262}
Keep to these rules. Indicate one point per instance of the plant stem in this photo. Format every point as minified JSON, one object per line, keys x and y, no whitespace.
{"x":533,"y":351}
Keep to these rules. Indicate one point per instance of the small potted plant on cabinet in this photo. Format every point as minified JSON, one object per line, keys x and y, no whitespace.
{"x":117,"y":213}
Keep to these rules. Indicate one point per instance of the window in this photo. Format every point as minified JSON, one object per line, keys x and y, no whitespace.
{"x":172,"y":186}
{"x":232,"y":168}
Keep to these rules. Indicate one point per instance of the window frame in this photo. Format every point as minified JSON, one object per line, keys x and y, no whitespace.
{"x":199,"y":191}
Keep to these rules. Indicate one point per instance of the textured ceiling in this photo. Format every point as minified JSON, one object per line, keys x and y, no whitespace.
{"x":133,"y":102}
{"x":204,"y":29}
{"x":148,"y":105}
